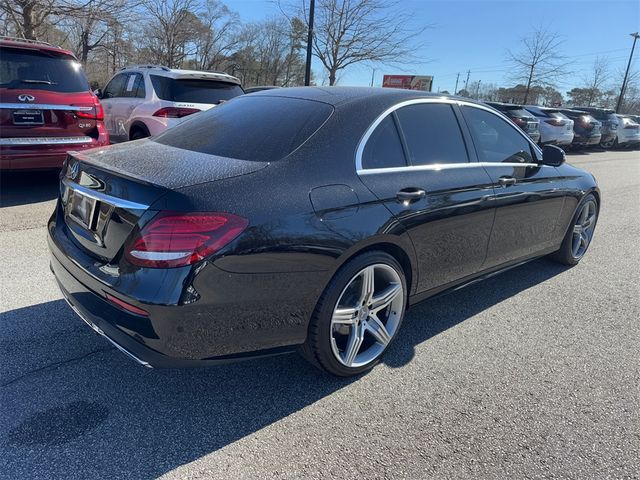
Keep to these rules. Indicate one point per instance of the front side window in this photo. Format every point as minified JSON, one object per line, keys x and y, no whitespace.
{"x":115,"y":87}
{"x":432,"y":134}
{"x":384,"y":148}
{"x":496,"y":140}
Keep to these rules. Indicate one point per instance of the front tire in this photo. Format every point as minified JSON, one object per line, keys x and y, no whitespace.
{"x":580,"y":232}
{"x":358,"y":315}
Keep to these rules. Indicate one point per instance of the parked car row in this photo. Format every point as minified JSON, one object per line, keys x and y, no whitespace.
{"x":575,"y":127}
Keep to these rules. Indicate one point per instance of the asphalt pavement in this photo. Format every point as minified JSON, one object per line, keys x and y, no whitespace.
{"x":533,"y":373}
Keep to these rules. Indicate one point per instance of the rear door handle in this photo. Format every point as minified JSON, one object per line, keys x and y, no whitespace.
{"x":507,"y":181}
{"x":411,"y":194}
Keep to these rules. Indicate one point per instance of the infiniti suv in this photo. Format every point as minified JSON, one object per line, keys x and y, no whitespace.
{"x":46,"y":106}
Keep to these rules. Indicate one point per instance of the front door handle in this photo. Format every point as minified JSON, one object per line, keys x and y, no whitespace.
{"x":507,"y":181}
{"x":411,"y":194}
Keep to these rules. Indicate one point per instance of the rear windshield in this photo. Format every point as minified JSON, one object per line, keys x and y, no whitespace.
{"x":518,"y":112}
{"x":556,"y":114}
{"x":194,"y":90}
{"x":257,"y":128}
{"x":21,"y":69}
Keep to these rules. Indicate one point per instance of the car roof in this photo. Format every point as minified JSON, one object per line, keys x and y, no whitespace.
{"x":163,"y":71}
{"x":34,"y":45}
{"x":336,"y":96}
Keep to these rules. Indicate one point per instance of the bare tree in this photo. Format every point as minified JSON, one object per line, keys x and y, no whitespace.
{"x":539,"y":61}
{"x":596,"y":80}
{"x":172,"y":27}
{"x":28,"y":16}
{"x":217,"y":37}
{"x":347,"y":32}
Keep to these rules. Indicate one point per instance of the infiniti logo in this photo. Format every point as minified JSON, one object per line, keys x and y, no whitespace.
{"x":25,"y":97}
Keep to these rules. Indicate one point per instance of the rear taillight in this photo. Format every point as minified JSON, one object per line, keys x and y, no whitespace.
{"x":174,"y":239}
{"x":175,"y":112}
{"x":95,"y":113}
{"x":555,"y":122}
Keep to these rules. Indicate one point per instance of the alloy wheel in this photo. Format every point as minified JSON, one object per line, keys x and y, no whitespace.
{"x":367,"y":315}
{"x":583,"y":229}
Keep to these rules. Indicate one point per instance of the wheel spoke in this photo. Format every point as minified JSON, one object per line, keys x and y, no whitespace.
{"x":577,"y":229}
{"x":368,"y":284}
{"x":353,"y":345}
{"x":345,"y":316}
{"x":384,"y":299}
{"x":584,"y":214}
{"x":378,"y":330}
{"x":576,"y":243}
{"x":589,"y":222}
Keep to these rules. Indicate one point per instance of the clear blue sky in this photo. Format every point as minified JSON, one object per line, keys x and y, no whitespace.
{"x":475,"y":35}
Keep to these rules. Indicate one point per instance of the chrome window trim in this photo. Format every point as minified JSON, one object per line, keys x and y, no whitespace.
{"x":44,"y":106}
{"x":365,"y":138}
{"x":103,"y":197}
{"x":11,"y":141}
{"x":447,"y":166}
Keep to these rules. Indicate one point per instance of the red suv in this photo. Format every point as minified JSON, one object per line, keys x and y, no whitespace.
{"x":46,"y":106}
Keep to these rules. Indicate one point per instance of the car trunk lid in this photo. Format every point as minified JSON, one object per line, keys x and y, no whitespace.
{"x":106,"y":193}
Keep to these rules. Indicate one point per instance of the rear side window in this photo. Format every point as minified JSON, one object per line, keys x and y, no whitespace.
{"x":134,"y":86}
{"x":41,"y":71}
{"x":384,"y":148}
{"x":257,"y":128}
{"x":194,"y":90}
{"x":496,"y":140}
{"x":432,"y":134}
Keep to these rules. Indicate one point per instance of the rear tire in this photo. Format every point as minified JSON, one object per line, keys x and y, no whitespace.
{"x":137,"y":133}
{"x":357,"y":316}
{"x":580,"y":232}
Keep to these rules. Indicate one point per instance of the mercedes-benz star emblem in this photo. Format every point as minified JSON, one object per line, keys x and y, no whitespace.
{"x":25,"y":97}
{"x":73,"y":171}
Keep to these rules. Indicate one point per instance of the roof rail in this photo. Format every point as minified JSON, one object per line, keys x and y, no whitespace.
{"x":161,"y":67}
{"x":27,"y":40}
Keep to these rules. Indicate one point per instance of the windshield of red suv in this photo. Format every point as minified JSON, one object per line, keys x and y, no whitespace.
{"x":194,"y":90}
{"x":35,"y":70}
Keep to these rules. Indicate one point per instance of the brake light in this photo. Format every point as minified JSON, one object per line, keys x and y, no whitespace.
{"x":96,"y":112}
{"x":175,"y":112}
{"x":174,"y":239}
{"x":555,"y":122}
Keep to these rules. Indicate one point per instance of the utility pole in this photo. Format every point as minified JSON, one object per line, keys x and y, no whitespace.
{"x":307,"y":70}
{"x":635,"y":36}
{"x":455,"y":90}
{"x":466,"y":83}
{"x":373,"y":74}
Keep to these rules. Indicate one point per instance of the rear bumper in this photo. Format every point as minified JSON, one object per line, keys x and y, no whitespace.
{"x":21,"y":154}
{"x":111,"y":322}
{"x":586,"y":140}
{"x":232,"y":315}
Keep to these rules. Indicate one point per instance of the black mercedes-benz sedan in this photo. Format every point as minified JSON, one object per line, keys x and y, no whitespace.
{"x":305,"y":218}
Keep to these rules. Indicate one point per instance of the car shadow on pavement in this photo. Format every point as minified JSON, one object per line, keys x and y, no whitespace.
{"x":22,"y":188}
{"x":75,"y":407}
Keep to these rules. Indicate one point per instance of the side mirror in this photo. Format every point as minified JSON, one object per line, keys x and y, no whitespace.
{"x":98,"y":92}
{"x":552,"y":155}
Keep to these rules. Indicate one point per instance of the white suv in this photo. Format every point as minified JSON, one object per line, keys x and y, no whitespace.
{"x":145,"y":100}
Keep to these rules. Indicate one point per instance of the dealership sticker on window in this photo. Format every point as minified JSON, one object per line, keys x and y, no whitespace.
{"x":132,"y":79}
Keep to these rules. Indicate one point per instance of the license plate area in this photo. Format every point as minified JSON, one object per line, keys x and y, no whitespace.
{"x":81,"y":209}
{"x":28,"y":117}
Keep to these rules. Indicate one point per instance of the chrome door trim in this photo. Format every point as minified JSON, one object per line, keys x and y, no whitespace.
{"x":103,"y":197}
{"x":45,"y":140}
{"x":45,"y":106}
{"x":365,"y":138}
